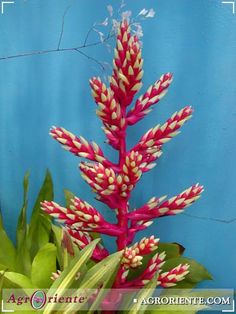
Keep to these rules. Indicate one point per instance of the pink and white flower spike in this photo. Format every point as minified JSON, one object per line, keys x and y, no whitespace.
{"x":113,"y":183}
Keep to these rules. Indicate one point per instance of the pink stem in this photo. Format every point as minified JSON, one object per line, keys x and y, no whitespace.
{"x":123,"y":224}
{"x":111,"y":232}
{"x":123,"y":208}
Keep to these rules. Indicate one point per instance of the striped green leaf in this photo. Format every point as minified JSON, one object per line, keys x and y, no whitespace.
{"x":67,"y":277}
{"x":98,"y":276}
{"x":143,"y":294}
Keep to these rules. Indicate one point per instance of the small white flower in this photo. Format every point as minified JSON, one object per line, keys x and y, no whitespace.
{"x":104,"y":23}
{"x":126,"y":15}
{"x":115,"y":25}
{"x":151,"y":13}
{"x":110,"y":9}
{"x":139,"y":31}
{"x":143,"y":12}
{"x":101,"y":35}
{"x":123,"y":4}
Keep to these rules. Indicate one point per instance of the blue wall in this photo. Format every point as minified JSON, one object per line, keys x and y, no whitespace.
{"x":194,"y":39}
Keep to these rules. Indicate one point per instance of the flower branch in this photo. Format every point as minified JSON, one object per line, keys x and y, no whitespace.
{"x":114,"y":183}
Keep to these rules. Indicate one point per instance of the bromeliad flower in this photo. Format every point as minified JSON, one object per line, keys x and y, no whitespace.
{"x":145,"y":102}
{"x":80,"y":216}
{"x":83,"y":238}
{"x":114,"y":182}
{"x":78,"y":145}
{"x":157,"y":208}
{"x":127,"y":66}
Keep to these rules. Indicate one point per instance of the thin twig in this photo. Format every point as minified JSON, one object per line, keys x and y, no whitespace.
{"x":62,"y":27}
{"x":87,"y":35}
{"x":59,"y":49}
{"x":91,"y":58}
{"x":34,"y":53}
{"x":41,"y":52}
{"x":108,"y":37}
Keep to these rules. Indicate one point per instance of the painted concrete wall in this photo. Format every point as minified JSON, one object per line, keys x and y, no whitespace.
{"x":194,"y":39}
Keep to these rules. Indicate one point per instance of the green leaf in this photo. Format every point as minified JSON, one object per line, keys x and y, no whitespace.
{"x":197,"y":272}
{"x":22,"y":224}
{"x":143,"y":294}
{"x":7,"y":250}
{"x":171,"y":249}
{"x":16,"y":280}
{"x":1,"y":220}
{"x":95,"y":278}
{"x":12,"y":280}
{"x":45,"y":193}
{"x":42,"y":233}
{"x":107,"y":281}
{"x":68,"y":196}
{"x":1,"y":284}
{"x":67,"y":248}
{"x":40,"y":223}
{"x":3,"y":267}
{"x":67,"y":277}
{"x":44,"y":264}
{"x":57,"y":237}
{"x":23,"y":261}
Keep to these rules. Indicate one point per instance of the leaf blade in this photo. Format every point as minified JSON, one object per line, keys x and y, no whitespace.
{"x":17,"y":280}
{"x":23,"y":261}
{"x":66,"y":278}
{"x":96,"y":276}
{"x":7,"y":251}
{"x":44,"y":264}
{"x":40,"y":224}
{"x":143,"y":294}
